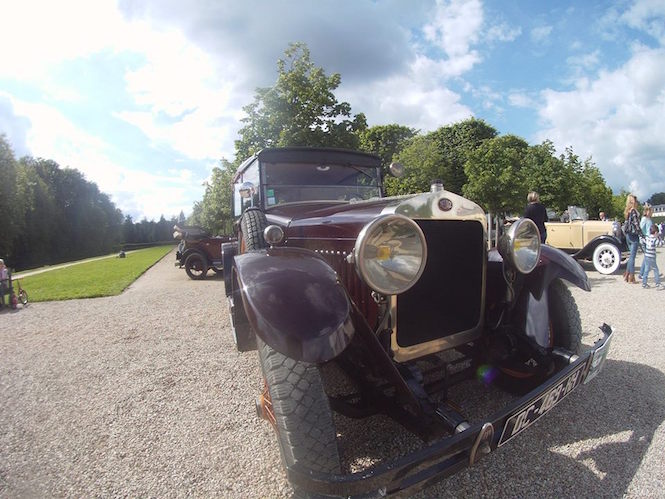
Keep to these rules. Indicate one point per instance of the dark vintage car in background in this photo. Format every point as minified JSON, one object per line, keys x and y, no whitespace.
{"x":600,"y":242}
{"x":360,"y":304}
{"x":198,"y":251}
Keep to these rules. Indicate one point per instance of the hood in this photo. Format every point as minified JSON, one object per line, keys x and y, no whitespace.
{"x":345,"y":220}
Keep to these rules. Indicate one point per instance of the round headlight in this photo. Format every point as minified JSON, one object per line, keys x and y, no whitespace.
{"x":390,"y":254}
{"x":520,"y":245}
{"x":273,"y":234}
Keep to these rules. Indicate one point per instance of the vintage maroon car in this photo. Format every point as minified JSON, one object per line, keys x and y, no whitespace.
{"x":198,"y":251}
{"x":361,"y":304}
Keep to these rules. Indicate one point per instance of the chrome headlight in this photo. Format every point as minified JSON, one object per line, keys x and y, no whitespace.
{"x":390,"y":254}
{"x":520,"y":245}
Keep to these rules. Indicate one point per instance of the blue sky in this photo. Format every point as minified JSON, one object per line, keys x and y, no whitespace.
{"x":145,"y":97}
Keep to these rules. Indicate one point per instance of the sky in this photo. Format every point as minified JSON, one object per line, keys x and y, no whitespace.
{"x":146,"y":97}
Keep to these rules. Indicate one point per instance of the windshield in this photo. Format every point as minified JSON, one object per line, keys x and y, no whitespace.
{"x":294,"y":182}
{"x":577,"y":213}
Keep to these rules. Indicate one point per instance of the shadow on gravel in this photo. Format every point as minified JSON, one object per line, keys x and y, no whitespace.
{"x":601,"y":280}
{"x":591,"y":445}
{"x":603,"y":434}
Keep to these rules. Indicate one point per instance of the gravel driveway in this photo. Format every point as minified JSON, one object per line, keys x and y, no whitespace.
{"x":143,"y":395}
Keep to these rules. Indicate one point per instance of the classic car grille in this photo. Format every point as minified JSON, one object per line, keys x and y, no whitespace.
{"x":448,"y":297}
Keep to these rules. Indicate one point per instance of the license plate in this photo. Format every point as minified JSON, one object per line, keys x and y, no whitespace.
{"x":598,"y":361}
{"x":532,"y":411}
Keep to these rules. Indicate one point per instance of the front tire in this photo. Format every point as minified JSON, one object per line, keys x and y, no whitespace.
{"x":302,"y":415}
{"x":196,"y":266}
{"x":565,"y":322}
{"x":23,"y":297}
{"x":606,"y":258}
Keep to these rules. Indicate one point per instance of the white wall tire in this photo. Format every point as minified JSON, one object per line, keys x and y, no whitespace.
{"x":606,"y":258}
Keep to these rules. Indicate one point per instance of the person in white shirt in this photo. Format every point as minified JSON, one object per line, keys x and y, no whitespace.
{"x":650,"y":257}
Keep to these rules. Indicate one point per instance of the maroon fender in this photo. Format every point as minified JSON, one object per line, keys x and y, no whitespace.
{"x":554,"y":263}
{"x":294,"y":302}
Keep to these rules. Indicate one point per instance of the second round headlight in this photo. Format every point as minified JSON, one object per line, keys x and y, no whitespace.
{"x":520,"y":245}
{"x":390,"y":254}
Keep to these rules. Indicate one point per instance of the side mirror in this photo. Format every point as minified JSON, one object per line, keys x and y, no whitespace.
{"x":246,"y":190}
{"x":396,"y":170}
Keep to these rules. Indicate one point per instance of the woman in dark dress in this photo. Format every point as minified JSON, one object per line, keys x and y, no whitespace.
{"x":536,"y":211}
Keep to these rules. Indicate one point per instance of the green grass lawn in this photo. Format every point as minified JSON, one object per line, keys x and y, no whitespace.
{"x":106,"y":277}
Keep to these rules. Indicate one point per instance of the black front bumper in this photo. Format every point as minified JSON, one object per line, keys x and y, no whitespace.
{"x":431,"y":464}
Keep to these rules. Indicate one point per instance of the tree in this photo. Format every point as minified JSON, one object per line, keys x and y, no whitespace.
{"x":657,"y":198}
{"x":299,"y":110}
{"x":214,"y":210}
{"x":422,"y":160}
{"x":385,"y":141}
{"x":10,"y":224}
{"x":439,"y":155}
{"x":597,"y":195}
{"x":619,"y":204}
{"x":457,"y":141}
{"x":549,"y":176}
{"x":496,"y":176}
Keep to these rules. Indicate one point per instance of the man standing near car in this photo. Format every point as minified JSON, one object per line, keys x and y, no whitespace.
{"x":536,"y":211}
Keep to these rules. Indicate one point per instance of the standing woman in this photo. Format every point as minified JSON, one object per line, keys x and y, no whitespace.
{"x":536,"y":211}
{"x":645,"y":227}
{"x":633,"y":233}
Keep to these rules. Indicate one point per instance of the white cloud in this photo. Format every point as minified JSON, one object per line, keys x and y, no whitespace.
{"x":136,"y":192}
{"x":648,"y":16}
{"x":39,"y":35}
{"x":454,"y":29}
{"x":522,"y":99}
{"x":618,"y":118}
{"x":541,"y":33}
{"x":585,"y":61}
{"x":503,"y":32}
{"x":14,"y":127}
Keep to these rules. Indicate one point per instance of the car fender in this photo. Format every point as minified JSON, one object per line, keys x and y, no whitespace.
{"x":533,"y":300}
{"x":294,"y":302}
{"x":587,"y":251}
{"x":555,"y":263}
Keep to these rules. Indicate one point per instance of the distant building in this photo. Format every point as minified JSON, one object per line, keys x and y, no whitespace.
{"x":658,"y":212}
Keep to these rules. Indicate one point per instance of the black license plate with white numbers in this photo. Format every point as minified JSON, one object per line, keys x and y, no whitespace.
{"x":537,"y":407}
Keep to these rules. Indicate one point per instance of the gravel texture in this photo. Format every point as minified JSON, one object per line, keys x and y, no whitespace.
{"x":144,"y":395}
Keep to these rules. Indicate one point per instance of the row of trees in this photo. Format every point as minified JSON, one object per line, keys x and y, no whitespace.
{"x":470,"y":157}
{"x":50,"y":215}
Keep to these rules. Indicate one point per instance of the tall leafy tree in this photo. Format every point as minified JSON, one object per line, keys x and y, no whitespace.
{"x":385,"y":140}
{"x":440,"y":155}
{"x":496,"y":176}
{"x":423,"y":161}
{"x":457,"y":141}
{"x":549,"y":176}
{"x":300,"y":109}
{"x":214,"y":210}
{"x":8,"y":208}
{"x":657,"y":198}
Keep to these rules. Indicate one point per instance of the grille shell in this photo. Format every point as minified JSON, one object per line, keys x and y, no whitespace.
{"x":444,"y":308}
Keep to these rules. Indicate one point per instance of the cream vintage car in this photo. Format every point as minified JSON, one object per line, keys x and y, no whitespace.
{"x":600,"y":242}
